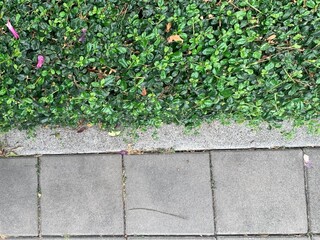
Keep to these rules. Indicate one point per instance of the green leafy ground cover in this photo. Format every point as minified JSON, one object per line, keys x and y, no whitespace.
{"x":145,"y":63}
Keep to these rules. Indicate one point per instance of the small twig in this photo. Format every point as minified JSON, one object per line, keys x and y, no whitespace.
{"x":5,"y":152}
{"x":153,"y":210}
{"x":274,"y":87}
{"x":295,"y":80}
{"x":124,"y":10}
{"x":254,"y":7}
{"x":291,"y":48}
{"x":230,"y":2}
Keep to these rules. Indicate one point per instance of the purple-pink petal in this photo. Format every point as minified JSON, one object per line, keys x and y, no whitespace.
{"x":12,"y":30}
{"x":308,"y":165}
{"x":123,"y":152}
{"x":307,"y":162}
{"x":40,"y":61}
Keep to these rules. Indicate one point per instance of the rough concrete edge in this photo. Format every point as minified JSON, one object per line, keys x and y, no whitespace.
{"x":168,"y":138}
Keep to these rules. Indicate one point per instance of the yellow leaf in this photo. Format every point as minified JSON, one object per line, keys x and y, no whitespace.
{"x":114,"y":133}
{"x":174,"y":38}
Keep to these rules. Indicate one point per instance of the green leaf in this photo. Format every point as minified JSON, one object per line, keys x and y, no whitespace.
{"x":240,"y":14}
{"x":160,"y":3}
{"x":249,"y":71}
{"x":311,"y":4}
{"x":257,"y":54}
{"x":27,"y":100}
{"x":269,"y":66}
{"x":226,"y":93}
{"x":123,"y":62}
{"x":208,"y":51}
{"x":122,"y":50}
{"x":177,"y":57}
{"x":95,"y":84}
{"x":44,"y":73}
{"x":241,"y":41}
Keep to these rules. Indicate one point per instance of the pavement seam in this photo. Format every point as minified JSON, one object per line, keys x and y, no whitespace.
{"x":212,"y":193}
{"x":124,"y":180}
{"x":306,"y":190}
{"x":39,"y":196}
{"x":164,"y":236}
{"x":116,"y":152}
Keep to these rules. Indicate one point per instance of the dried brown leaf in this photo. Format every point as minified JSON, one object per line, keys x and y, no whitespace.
{"x":112,"y":71}
{"x":132,"y":151}
{"x":174,"y":38}
{"x":144,"y":92}
{"x":81,"y":129}
{"x":168,"y":27}
{"x":270,"y":38}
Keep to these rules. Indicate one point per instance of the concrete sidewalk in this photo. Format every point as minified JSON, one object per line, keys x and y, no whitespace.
{"x":222,"y":195}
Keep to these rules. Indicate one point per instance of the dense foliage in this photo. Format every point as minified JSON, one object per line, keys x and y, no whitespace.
{"x":144,"y":63}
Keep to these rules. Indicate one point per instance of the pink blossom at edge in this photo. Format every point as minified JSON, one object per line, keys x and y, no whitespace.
{"x":40,"y":61}
{"x":12,"y":30}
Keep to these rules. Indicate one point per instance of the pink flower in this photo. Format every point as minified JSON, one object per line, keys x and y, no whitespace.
{"x":12,"y":30}
{"x":40,"y":61}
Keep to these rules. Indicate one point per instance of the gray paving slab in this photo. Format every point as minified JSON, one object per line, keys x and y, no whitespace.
{"x":168,"y":194}
{"x":209,"y":136}
{"x":263,"y":238}
{"x":171,"y":238}
{"x":259,"y":192}
{"x":18,"y":197}
{"x":72,"y":238}
{"x":314,"y":188}
{"x":81,"y":195}
{"x":316,"y":238}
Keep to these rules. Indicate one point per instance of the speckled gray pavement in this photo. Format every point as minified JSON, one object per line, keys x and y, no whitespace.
{"x":260,"y":194}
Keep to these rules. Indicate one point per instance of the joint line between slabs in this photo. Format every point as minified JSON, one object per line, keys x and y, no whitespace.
{"x":209,"y":236}
{"x":212,"y":194}
{"x":39,"y":196}
{"x":124,"y":179}
{"x":306,"y":191}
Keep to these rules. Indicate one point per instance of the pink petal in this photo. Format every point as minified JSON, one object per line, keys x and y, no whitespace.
{"x":12,"y":30}
{"x":40,"y":61}
{"x":307,"y":162}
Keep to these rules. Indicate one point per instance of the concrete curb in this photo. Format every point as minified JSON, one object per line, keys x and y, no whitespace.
{"x":168,"y":138}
